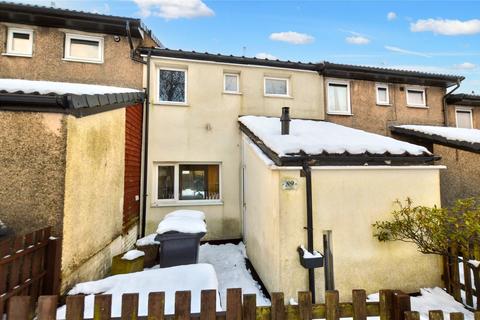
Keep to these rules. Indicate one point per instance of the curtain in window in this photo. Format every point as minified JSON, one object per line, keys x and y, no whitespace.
{"x":172,"y":85}
{"x":166,"y":182}
{"x":382,"y":95}
{"x":464,"y":119}
{"x":416,"y":97}
{"x":338,"y":97}
{"x":274,"y":86}
{"x":199,"y":182}
{"x":231,"y":83}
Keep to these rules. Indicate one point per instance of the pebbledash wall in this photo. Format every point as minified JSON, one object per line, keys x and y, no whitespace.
{"x":205,"y":130}
{"x":67,"y":172}
{"x":274,"y":227}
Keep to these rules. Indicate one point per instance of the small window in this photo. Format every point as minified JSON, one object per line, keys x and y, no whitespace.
{"x":339,"y":97}
{"x":20,"y":42}
{"x":276,"y":87}
{"x":83,"y":48}
{"x":172,"y":86}
{"x":464,"y":118}
{"x":187,"y":182}
{"x":382,"y":94}
{"x":416,"y":98}
{"x":231,"y":83}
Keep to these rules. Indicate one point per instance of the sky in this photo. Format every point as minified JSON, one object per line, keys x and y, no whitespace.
{"x":431,"y":36}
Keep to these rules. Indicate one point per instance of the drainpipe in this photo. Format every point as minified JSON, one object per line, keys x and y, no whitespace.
{"x":130,"y":42}
{"x":145,"y":150}
{"x":307,"y":173}
{"x":445,"y":106}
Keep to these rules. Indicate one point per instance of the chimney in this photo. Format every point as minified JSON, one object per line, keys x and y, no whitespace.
{"x":285,"y":120}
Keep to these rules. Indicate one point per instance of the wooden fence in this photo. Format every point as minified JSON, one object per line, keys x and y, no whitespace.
{"x":393,"y":305}
{"x":29,"y":266}
{"x":469,"y":282}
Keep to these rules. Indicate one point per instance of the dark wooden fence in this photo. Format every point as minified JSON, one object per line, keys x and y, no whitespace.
{"x":29,"y":266}
{"x":393,"y":305}
{"x":470,"y":283}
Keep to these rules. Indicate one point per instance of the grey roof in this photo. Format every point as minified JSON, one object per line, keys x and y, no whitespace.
{"x":464,"y":99}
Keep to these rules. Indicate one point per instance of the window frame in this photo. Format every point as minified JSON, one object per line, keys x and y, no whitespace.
{"x":464,"y":109}
{"x":382,"y":86}
{"x":178,"y":103}
{"x":344,"y":113}
{"x":67,"y":43}
{"x":9,"y":48}
{"x":287,"y":80}
{"x":414,"y":105}
{"x":176,"y":200}
{"x":236,"y":75}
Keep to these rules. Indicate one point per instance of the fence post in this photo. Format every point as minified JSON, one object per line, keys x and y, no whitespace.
{"x":359,"y":301}
{"x":19,"y":308}
{"x":156,"y":305}
{"x":401,"y":304}
{"x":278,"y":306}
{"x":182,"y":305}
{"x":53,"y":262}
{"x":331,"y":305}
{"x":47,"y":307}
{"x":208,"y":305}
{"x":386,"y":305}
{"x":234,"y":304}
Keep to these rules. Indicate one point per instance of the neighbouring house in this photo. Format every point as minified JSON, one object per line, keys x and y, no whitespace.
{"x":71,"y":152}
{"x":373,"y":99}
{"x":199,"y":159}
{"x":64,"y":162}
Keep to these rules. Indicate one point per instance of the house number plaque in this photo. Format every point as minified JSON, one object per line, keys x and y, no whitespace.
{"x":289,"y":184}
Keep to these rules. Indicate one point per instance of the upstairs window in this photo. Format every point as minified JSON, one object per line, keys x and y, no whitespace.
{"x":416,"y":98}
{"x":276,"y":87}
{"x":231,"y":83}
{"x":464,"y":118}
{"x":382,"y":94}
{"x":187,"y":182}
{"x":20,"y":42}
{"x":338,"y":97}
{"x":172,"y":86}
{"x":83,"y":48}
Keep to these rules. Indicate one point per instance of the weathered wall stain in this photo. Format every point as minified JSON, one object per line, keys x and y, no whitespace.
{"x":32,"y":170}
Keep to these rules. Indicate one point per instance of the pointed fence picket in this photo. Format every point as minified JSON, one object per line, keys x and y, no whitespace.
{"x":393,"y":305}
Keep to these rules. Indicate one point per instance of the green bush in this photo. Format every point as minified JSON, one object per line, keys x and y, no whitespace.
{"x":433,"y":229}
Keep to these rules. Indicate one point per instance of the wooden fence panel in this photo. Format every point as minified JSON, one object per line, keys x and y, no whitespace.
{"x":156,"y":305}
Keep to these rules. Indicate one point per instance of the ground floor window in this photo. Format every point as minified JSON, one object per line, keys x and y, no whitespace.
{"x":187,"y":182}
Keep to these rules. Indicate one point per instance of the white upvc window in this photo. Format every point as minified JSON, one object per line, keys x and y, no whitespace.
{"x":187,"y":183}
{"x":172,"y":86}
{"x":276,"y":87}
{"x":82,"y":48}
{"x":416,"y":97}
{"x":464,"y":117}
{"x":382,"y":93}
{"x":231,"y":83}
{"x":20,"y":42}
{"x":338,"y":97}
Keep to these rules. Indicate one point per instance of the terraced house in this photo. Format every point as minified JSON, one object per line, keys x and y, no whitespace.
{"x":71,"y":103}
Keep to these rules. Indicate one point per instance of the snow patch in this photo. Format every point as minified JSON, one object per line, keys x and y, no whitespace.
{"x":310,"y":255}
{"x":47,"y":87}
{"x":194,"y":214}
{"x":449,"y":133}
{"x":133,"y":254}
{"x":474,"y":263}
{"x":181,"y":224}
{"x":316,"y":137}
{"x":147,"y":240}
{"x":195,"y":277}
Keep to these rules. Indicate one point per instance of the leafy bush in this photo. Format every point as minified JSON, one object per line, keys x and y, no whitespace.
{"x":433,"y":229}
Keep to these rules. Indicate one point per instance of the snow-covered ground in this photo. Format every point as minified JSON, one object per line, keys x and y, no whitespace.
{"x":229,"y":263}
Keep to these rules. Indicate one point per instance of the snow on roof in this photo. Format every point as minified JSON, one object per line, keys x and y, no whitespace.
{"x":449,"y":133}
{"x":316,"y":137}
{"x":52,"y":87}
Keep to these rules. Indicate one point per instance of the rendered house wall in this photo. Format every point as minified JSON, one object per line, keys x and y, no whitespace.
{"x":360,"y":261}
{"x":206,"y":129}
{"x":369,"y":116}
{"x":47,"y":61}
{"x":32,"y":170}
{"x":94,"y":187}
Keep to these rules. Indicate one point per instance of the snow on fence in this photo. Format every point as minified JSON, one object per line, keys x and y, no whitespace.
{"x":393,"y":305}
{"x":29,"y":265}
{"x":462,"y":275}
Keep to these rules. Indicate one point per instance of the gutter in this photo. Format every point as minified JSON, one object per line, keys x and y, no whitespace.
{"x":145,"y":150}
{"x":445,"y":106}
{"x":130,"y":42}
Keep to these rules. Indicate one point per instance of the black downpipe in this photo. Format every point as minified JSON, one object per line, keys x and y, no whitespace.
{"x":145,"y":150}
{"x":308,"y":181}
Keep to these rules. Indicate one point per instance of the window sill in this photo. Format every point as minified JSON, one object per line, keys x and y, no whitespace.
{"x":277,"y":96}
{"x":384,"y":104}
{"x":339,"y":114}
{"x":418,"y":107}
{"x":234,"y":93}
{"x":170,"y":104}
{"x":82,"y":60}
{"x":23,"y":55}
{"x":187,"y":203}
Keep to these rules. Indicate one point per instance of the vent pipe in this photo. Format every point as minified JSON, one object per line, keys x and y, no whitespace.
{"x":285,"y":120}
